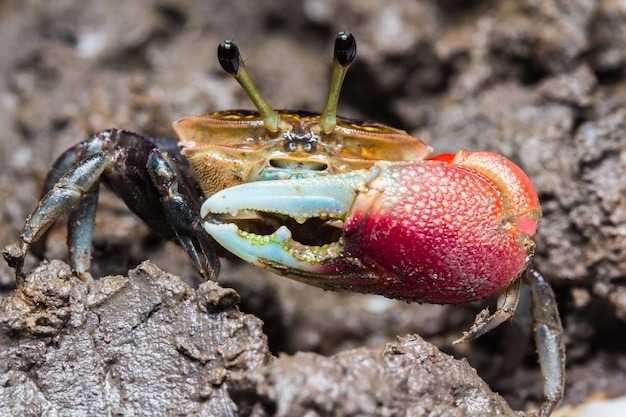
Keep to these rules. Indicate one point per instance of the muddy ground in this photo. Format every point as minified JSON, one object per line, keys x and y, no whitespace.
{"x":543,"y":83}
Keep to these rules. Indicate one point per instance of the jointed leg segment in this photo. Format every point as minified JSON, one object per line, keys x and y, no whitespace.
{"x":546,"y":327}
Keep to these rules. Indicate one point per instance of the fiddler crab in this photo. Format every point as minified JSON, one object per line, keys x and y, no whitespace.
{"x":332,"y":202}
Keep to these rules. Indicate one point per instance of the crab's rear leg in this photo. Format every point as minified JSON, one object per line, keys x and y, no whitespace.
{"x":547,"y":330}
{"x":80,"y":225}
{"x":548,"y":338}
{"x":66,"y":193}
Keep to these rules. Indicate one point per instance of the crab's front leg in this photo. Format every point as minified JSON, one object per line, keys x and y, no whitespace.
{"x":450,"y":230}
{"x":183,"y":215}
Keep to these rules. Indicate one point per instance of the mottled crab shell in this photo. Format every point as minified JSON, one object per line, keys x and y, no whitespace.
{"x":228,"y":148}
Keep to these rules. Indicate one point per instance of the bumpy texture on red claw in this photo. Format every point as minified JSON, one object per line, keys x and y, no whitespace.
{"x":442,"y":232}
{"x":520,"y":198}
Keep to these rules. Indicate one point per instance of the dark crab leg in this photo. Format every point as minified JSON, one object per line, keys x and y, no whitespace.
{"x":182,"y":215}
{"x":506,"y":307}
{"x":82,"y":217}
{"x":163,"y":199}
{"x":64,"y":195}
{"x":80,"y":226}
{"x":548,"y":329}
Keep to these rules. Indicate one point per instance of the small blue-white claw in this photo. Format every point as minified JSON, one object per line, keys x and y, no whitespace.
{"x":272,"y":252}
{"x":326,"y":197}
{"x":321,"y":197}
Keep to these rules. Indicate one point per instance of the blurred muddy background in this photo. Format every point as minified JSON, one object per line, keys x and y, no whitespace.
{"x":542,"y":82}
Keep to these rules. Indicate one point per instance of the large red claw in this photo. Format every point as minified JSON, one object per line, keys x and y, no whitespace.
{"x":432,"y":231}
{"x":445,"y":232}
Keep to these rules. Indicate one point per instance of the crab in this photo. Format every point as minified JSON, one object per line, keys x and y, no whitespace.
{"x":335,"y":203}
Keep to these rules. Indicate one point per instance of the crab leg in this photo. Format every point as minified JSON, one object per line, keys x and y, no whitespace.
{"x":145,"y":177}
{"x":65,"y":194}
{"x":81,"y":220}
{"x":80,"y":226}
{"x":181,"y":215}
{"x":547,"y":328}
{"x":508,"y":300}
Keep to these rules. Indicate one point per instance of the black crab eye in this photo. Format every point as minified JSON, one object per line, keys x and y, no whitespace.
{"x":229,"y":57}
{"x":345,"y":48}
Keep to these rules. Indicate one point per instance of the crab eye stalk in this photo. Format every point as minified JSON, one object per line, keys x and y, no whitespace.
{"x":345,"y":52}
{"x":230,"y":60}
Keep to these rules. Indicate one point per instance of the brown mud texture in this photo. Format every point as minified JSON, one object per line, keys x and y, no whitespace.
{"x":541,"y":82}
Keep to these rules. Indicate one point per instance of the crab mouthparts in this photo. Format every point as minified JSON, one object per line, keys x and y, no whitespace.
{"x":283,"y":225}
